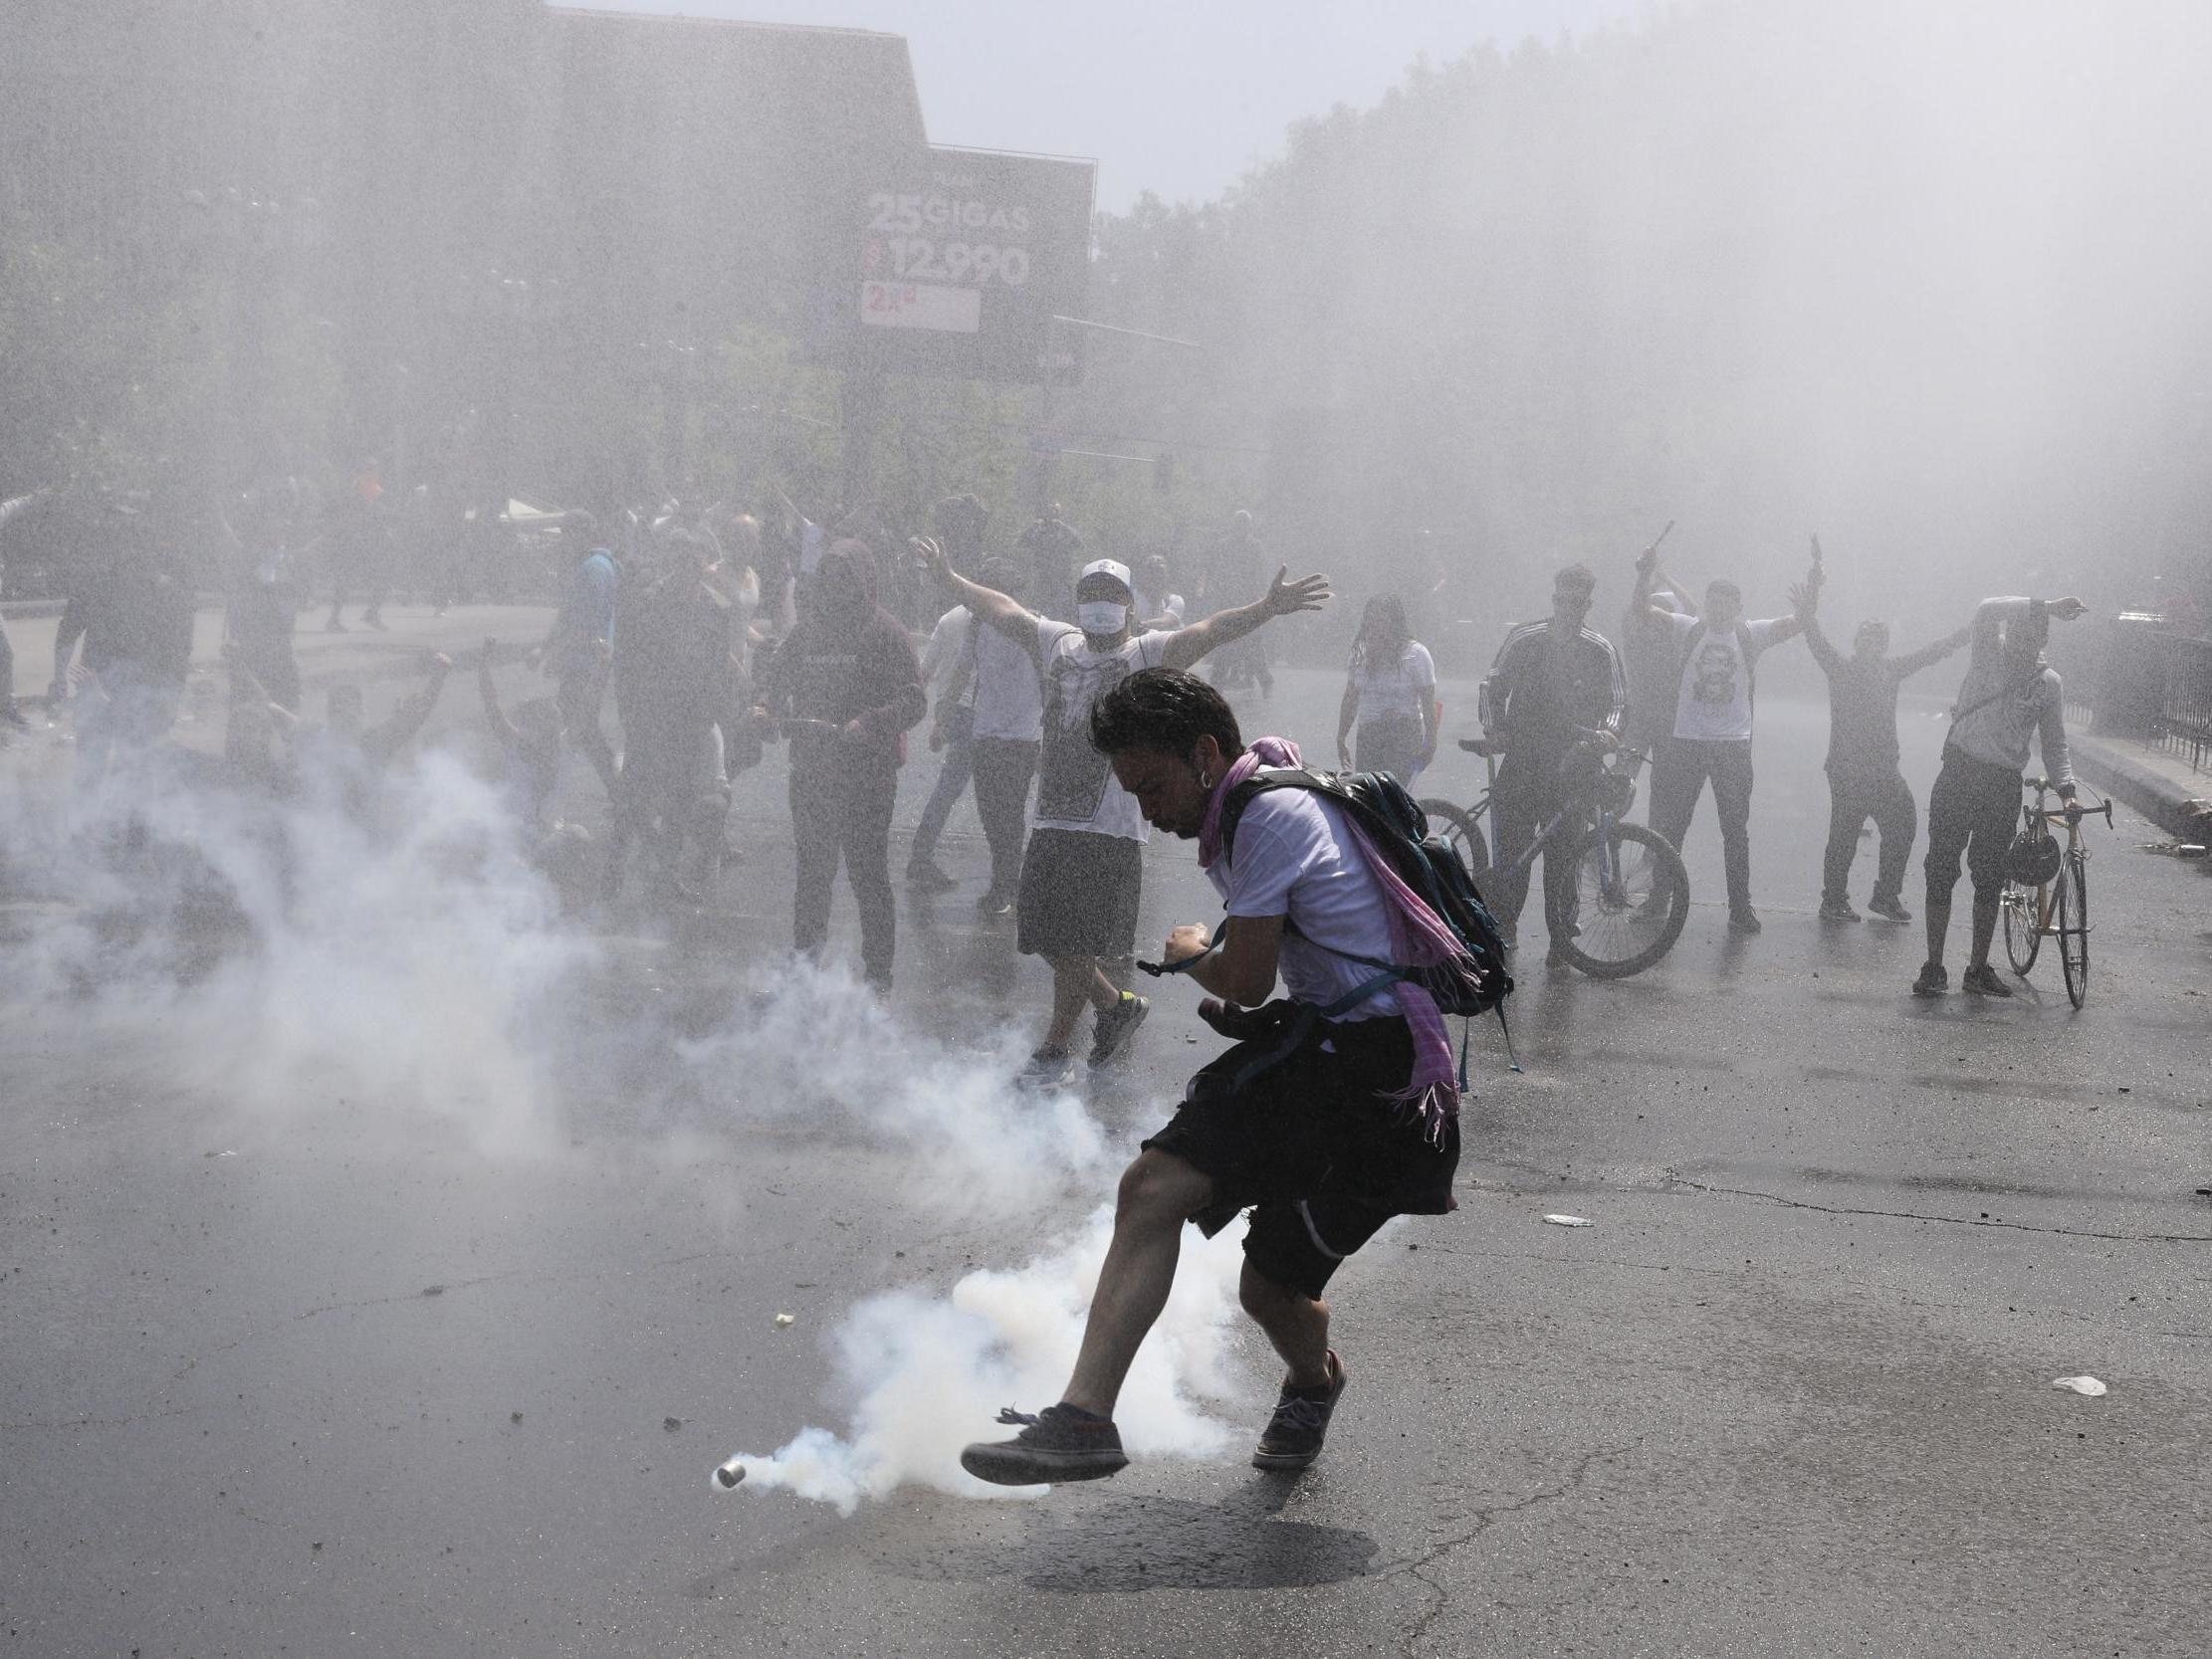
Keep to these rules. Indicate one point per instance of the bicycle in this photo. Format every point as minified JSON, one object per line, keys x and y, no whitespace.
{"x":2057,"y":906}
{"x":1632,"y":891}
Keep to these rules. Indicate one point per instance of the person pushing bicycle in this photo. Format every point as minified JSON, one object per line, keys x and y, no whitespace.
{"x":2010,"y":696}
{"x":1555,"y":682}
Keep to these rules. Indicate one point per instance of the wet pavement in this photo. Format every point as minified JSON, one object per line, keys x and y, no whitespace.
{"x":431,"y":1353}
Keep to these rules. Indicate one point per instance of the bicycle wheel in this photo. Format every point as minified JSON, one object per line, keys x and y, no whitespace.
{"x":2022,"y":937}
{"x":1632,"y":899}
{"x":2074,"y":928}
{"x":1461,"y":834}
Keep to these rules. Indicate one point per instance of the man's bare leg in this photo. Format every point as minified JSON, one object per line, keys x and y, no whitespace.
{"x":1297,"y":1324}
{"x":1158,"y":1193}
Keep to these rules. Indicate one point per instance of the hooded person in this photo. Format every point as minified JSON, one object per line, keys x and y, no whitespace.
{"x":845,"y":687}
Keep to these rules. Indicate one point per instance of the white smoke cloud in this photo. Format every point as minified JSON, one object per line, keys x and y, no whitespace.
{"x":282,"y":957}
{"x":930,"y":1371}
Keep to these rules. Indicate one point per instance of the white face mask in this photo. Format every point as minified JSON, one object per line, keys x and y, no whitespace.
{"x":1102,"y":618}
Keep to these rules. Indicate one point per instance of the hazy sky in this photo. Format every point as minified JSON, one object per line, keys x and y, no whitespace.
{"x":1175,"y":96}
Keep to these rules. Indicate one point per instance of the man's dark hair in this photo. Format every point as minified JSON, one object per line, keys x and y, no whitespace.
{"x":1722,"y":584}
{"x":1162,"y":709}
{"x":1577,"y":576}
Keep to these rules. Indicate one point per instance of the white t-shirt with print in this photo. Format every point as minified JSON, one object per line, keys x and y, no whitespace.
{"x":1714,"y":701}
{"x":1292,"y":856}
{"x":1076,"y":787}
{"x":1406,"y":687}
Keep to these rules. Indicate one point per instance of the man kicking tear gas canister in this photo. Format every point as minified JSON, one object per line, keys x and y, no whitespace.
{"x":1336,"y":1110}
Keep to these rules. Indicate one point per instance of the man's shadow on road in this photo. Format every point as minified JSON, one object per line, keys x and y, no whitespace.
{"x":1117,"y":1545}
{"x":1148,"y":1542}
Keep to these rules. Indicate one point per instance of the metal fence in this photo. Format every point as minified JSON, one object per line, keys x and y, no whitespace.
{"x":2135,"y":678}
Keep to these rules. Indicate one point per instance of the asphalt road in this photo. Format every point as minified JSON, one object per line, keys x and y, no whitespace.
{"x":398,"y":1299}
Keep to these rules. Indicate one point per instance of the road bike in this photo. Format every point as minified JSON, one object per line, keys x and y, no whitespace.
{"x":2059,"y":906}
{"x":1632,"y":893}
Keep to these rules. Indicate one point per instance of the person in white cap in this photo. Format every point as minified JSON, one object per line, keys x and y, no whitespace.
{"x":1082,"y":873}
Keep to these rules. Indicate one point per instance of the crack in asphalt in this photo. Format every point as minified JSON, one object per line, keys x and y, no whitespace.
{"x":1677,"y":1182}
{"x":1485,"y":1516}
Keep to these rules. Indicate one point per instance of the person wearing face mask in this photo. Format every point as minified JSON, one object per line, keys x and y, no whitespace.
{"x":2009,"y":698}
{"x":1711,"y":732}
{"x":1864,"y":778}
{"x":1555,"y":683}
{"x":848,"y":671}
{"x":1082,"y":872}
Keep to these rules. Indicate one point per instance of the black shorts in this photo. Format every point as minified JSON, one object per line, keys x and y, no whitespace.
{"x":1079,"y":894}
{"x":1311,"y":1143}
{"x":1973,"y":809}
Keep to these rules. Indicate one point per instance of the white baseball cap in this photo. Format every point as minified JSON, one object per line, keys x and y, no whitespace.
{"x":1106,"y":567}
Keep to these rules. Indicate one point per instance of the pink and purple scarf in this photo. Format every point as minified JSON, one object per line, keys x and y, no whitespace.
{"x":1419,"y":937}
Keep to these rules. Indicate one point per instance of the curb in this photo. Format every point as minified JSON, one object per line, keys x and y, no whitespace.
{"x":2156,"y":797}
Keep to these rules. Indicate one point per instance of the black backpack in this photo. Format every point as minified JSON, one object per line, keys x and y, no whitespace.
{"x":1425,"y":863}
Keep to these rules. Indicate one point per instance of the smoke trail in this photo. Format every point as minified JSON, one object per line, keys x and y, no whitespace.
{"x":819,"y":1046}
{"x":927,"y":1373}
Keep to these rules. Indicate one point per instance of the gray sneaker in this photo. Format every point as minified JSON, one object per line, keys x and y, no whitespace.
{"x":1294,"y":1434}
{"x":1934,"y":981}
{"x":1114,"y":1028}
{"x":1045,"y":1072}
{"x":1058,"y":1444}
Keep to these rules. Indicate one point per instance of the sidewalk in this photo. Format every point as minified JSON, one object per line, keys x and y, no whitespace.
{"x":362,"y":654}
{"x":2157,"y":782}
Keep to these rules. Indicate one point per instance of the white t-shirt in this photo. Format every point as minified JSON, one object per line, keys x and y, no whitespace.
{"x":1005,"y":691}
{"x":1714,"y":701}
{"x":1077,"y":789}
{"x":1406,"y":687}
{"x":947,"y":643}
{"x":1293,"y":857}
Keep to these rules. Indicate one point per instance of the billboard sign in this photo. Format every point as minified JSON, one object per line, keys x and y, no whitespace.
{"x":958,"y":265}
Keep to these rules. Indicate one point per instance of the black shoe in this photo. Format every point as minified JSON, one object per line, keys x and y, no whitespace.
{"x":1890,"y":909}
{"x":373,"y":620}
{"x":1116,"y":1025}
{"x":1743,"y":922}
{"x":1934,"y":981}
{"x":1058,"y":1444}
{"x":14,"y":716}
{"x":924,"y":874}
{"x":1982,"y":981}
{"x":1839,"y":909}
{"x":1293,"y":1436}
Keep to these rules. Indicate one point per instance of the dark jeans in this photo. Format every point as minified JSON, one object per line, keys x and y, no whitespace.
{"x":1528,"y":791}
{"x":1004,"y":767}
{"x":1678,"y":774}
{"x":1851,"y":803}
{"x":7,"y":674}
{"x":845,"y":813}
{"x":952,"y":783}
